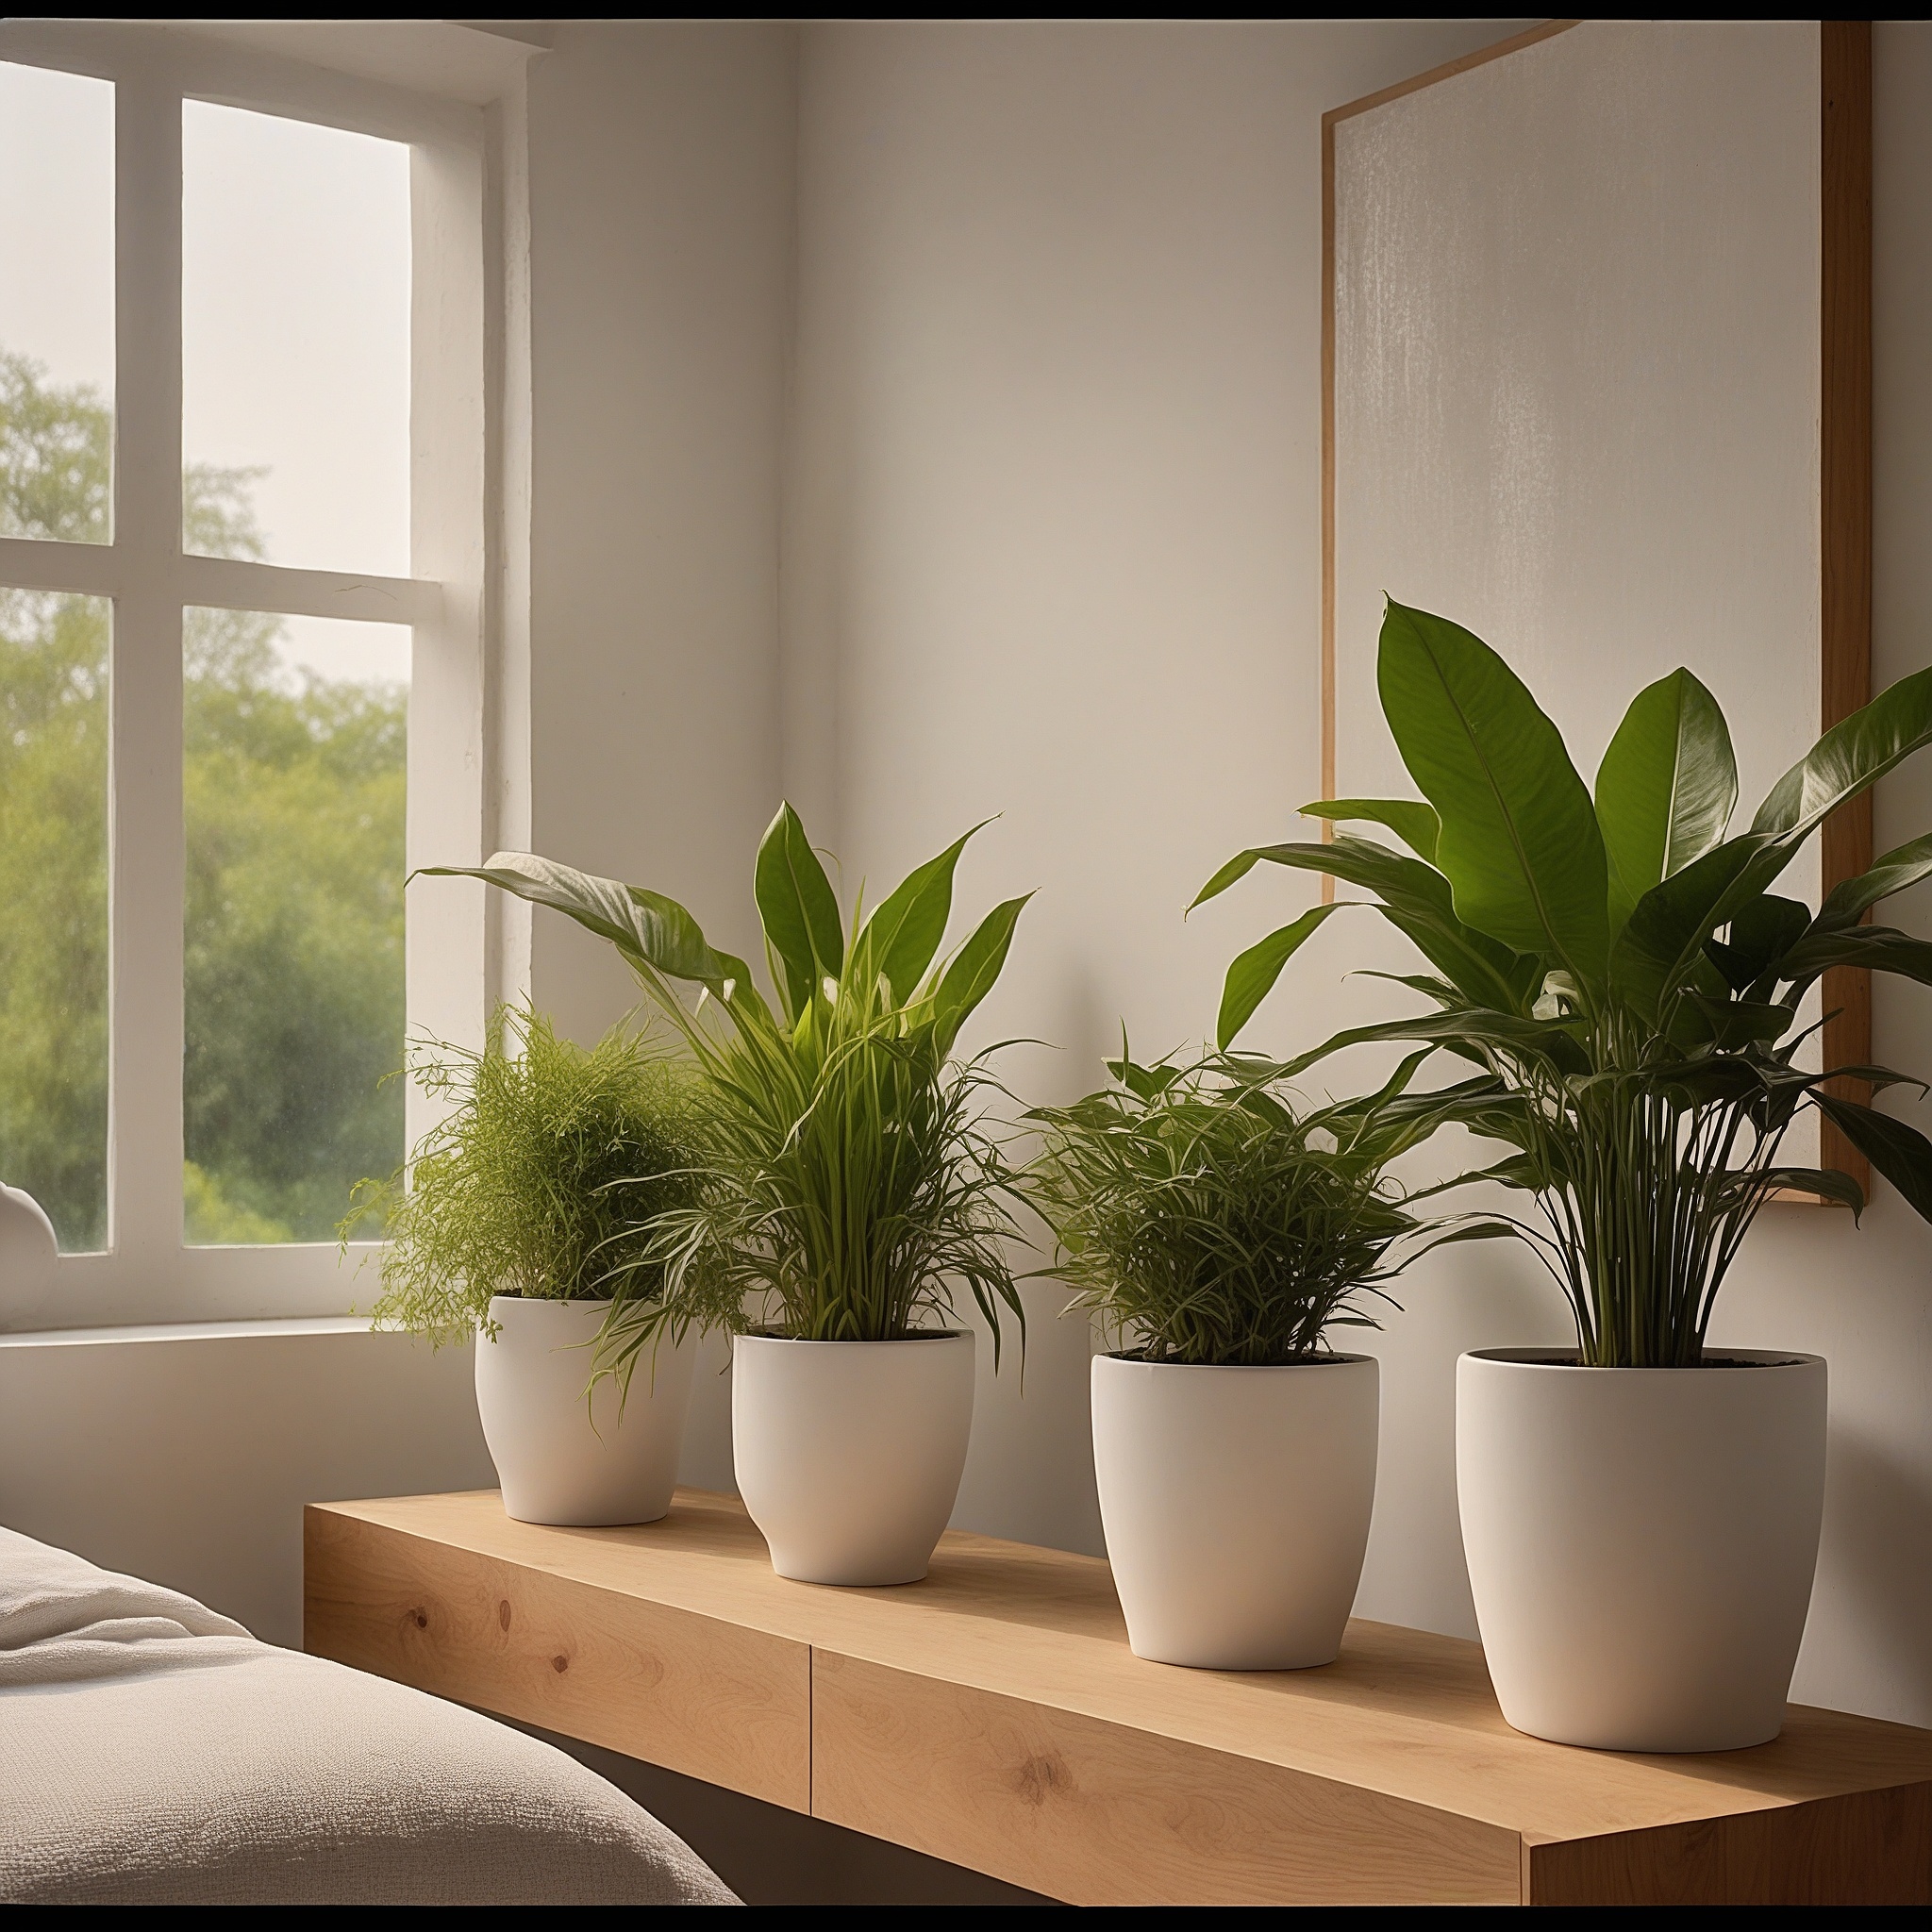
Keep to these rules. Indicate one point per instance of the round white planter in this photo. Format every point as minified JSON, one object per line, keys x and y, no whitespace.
{"x":1640,"y":1541}
{"x":1236,"y":1504}
{"x":559,"y":1458}
{"x":849,"y":1454}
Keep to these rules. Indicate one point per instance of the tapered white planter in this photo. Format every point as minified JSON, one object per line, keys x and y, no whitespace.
{"x":1236,"y":1504}
{"x":849,"y":1454}
{"x":559,"y":1458}
{"x":1640,"y":1541}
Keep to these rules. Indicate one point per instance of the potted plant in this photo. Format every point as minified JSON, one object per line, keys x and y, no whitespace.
{"x":521,"y":1205}
{"x":844,"y":1190}
{"x":1641,"y":1516}
{"x":1219,"y":1236}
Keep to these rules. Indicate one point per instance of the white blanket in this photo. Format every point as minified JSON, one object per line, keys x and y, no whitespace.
{"x":151,"y":1752}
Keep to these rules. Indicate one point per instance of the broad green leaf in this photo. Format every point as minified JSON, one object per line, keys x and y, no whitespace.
{"x":975,"y":967}
{"x":1661,"y":947}
{"x":1251,"y":976}
{"x":1415,"y":898}
{"x":1733,"y":1025}
{"x":1238,"y":866}
{"x":1474,"y":1035}
{"x":1850,"y":900}
{"x":1415,"y":823}
{"x":1520,"y":842}
{"x":1763,"y":931}
{"x":1881,"y":948}
{"x":902,"y":937}
{"x":1901,"y":1154}
{"x":798,"y":910}
{"x":645,"y":926}
{"x":1665,"y":788}
{"x":1850,"y":756}
{"x":1825,"y":1182}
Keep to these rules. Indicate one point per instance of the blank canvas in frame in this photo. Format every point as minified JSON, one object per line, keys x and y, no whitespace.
{"x":1576,"y":383}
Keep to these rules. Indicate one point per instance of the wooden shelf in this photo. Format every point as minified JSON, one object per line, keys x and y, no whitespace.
{"x":994,"y":1716}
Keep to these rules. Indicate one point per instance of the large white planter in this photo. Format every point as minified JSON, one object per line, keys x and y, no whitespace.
{"x":1640,"y":1541}
{"x":562,"y":1459}
{"x":1235,"y":1506}
{"x":849,"y":1454}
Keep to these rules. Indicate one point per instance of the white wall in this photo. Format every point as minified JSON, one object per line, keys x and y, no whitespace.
{"x":1051,"y":550}
{"x":185,"y":1455}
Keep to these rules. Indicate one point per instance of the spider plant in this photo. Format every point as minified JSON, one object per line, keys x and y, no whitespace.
{"x":843,"y":1187}
{"x":1202,"y":1220}
{"x":1617,"y":968}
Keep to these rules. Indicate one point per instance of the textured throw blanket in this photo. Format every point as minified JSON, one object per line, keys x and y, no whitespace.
{"x":151,"y":1752}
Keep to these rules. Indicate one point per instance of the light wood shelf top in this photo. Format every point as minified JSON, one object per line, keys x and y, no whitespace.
{"x":1403,"y":1712}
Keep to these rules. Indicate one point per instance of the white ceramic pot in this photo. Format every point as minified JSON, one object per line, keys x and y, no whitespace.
{"x":1235,"y":1506}
{"x":562,"y":1459}
{"x":849,"y":1454}
{"x":1640,"y":1541}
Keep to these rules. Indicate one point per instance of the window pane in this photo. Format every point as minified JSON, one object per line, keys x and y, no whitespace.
{"x":295,"y":755}
{"x":295,"y":338}
{"x":57,"y":304}
{"x":54,"y":889}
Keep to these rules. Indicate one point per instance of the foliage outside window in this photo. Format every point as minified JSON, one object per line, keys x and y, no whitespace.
{"x":293,"y":915}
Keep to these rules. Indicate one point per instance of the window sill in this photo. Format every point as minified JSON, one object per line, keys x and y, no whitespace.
{"x":279,"y":1328}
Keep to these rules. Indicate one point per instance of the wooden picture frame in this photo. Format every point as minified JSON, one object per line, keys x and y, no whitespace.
{"x":1844,"y":616}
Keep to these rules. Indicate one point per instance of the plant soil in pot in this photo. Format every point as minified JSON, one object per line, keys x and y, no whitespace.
{"x":563,"y":1454}
{"x":849,"y":1454}
{"x":1205,"y":1221}
{"x":843,"y":1193}
{"x":1642,"y":1542}
{"x":1613,"y":962}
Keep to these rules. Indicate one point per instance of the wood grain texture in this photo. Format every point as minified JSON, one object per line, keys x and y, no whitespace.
{"x":1101,"y":1814}
{"x":1870,"y":1848}
{"x":682,"y":1646}
{"x":1846,"y":507}
{"x":712,"y":1699}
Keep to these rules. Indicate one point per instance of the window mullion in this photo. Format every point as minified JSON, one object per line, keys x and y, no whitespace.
{"x":145,"y":897}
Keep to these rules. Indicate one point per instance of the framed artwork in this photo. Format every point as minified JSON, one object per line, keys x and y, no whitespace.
{"x":1596,"y":383}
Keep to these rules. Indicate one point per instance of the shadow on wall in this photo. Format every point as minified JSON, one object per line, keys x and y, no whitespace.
{"x":1878,"y":1527}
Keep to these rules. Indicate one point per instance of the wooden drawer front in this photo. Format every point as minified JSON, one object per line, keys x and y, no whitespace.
{"x":710,"y":1699}
{"x":1868,"y":1848}
{"x":1097,"y":1814}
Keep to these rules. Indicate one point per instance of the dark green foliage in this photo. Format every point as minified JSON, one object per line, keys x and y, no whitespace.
{"x":542,"y":1180}
{"x":1617,"y":968}
{"x":1202,"y":1220}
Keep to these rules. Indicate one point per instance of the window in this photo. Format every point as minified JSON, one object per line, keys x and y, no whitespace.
{"x":242,"y":553}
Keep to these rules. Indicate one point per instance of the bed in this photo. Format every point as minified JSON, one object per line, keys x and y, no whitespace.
{"x":151,"y":1752}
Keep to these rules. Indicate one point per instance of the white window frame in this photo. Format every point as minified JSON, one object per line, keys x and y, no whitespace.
{"x":457,"y":786}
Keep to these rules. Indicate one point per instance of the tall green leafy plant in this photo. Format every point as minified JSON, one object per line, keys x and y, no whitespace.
{"x":1202,"y":1220}
{"x":844,"y":1187}
{"x":1616,"y":966}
